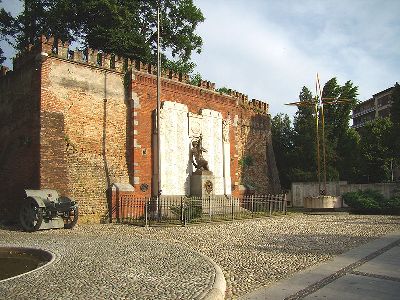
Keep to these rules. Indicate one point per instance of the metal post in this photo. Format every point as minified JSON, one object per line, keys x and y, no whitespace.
{"x":284,"y":204}
{"x":233,"y":217}
{"x":158,"y":199}
{"x":183,"y":219}
{"x":185,"y":209}
{"x":146,"y":212}
{"x":391,"y":170}
{"x":252,"y":206}
{"x":118,"y":207}
{"x":209,"y":208}
{"x":270,"y":206}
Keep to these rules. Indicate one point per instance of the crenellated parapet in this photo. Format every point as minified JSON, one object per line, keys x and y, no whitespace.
{"x":49,"y":46}
{"x":259,"y":105}
{"x":243,"y":100}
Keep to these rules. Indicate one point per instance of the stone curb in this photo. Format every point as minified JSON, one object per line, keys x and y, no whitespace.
{"x":29,"y":249}
{"x":217,"y":291}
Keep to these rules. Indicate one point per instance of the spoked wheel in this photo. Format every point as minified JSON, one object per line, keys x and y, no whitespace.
{"x":71,"y":217}
{"x":31,"y":216}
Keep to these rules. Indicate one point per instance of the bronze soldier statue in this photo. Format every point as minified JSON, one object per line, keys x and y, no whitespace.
{"x":197,"y":151}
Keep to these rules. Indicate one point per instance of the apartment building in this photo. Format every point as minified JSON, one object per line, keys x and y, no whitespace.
{"x":377,"y":107}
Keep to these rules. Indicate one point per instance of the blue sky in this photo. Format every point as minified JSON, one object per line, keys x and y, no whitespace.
{"x":269,"y":49}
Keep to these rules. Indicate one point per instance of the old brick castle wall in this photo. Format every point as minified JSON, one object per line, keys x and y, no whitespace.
{"x":79,"y":122}
{"x":19,"y":136}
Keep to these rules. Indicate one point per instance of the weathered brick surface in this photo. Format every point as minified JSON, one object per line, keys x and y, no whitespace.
{"x":91,"y":141}
{"x":19,"y":137}
{"x":249,"y":137}
{"x":77,"y":127}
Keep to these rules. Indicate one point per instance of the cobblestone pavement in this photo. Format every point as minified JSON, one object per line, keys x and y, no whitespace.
{"x":102,"y":262}
{"x":251,"y":253}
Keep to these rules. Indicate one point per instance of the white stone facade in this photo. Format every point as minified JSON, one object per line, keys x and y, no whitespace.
{"x":178,"y":128}
{"x":174,"y":145}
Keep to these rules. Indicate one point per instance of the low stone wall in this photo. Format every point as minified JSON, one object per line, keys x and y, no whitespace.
{"x":301,"y":190}
{"x":323,"y":202}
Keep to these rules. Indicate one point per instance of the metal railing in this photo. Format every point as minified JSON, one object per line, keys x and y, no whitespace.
{"x":181,"y":210}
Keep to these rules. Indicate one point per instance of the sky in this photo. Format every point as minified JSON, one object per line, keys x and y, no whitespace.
{"x":270,"y":49}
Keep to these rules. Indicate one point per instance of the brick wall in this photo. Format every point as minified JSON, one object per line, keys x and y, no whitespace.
{"x":83,"y":133}
{"x":77,"y":126}
{"x":249,"y":131}
{"x":19,"y":137}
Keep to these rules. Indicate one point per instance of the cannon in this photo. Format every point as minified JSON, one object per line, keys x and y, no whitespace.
{"x":45,"y":209}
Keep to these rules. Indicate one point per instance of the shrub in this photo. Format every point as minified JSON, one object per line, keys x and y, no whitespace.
{"x":246,"y":161}
{"x":372,"y":202}
{"x":365,"y":202}
{"x":192,"y":210}
{"x":391,"y":206}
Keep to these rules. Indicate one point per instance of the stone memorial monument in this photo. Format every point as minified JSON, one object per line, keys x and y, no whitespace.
{"x":202,"y":182}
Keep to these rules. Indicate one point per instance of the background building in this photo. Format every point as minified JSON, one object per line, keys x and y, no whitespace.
{"x":376,"y":107}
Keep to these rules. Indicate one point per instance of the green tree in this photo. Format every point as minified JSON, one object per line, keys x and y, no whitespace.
{"x":123,"y":27}
{"x":223,"y":90}
{"x":338,"y":137}
{"x":6,"y":29}
{"x":282,"y":141}
{"x":179,"y":66}
{"x":338,"y":115}
{"x":195,"y":79}
{"x":2,"y":58}
{"x":7,"y":25}
{"x":304,"y":141}
{"x":376,"y":150}
{"x":296,"y":147}
{"x":349,"y":157}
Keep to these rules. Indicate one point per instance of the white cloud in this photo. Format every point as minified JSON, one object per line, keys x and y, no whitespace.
{"x":268,"y":64}
{"x":270,"y":49}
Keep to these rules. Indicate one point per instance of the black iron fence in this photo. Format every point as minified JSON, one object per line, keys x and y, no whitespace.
{"x":184,"y":210}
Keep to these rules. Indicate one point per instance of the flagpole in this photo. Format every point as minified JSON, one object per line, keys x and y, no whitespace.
{"x":158,"y":110}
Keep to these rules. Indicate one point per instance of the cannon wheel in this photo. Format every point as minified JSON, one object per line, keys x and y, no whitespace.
{"x":31,"y":216}
{"x":71,"y":217}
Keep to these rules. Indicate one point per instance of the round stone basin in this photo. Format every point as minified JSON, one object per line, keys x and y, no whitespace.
{"x":15,"y":261}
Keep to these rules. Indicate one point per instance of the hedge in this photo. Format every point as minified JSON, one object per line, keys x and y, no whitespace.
{"x":372,"y":202}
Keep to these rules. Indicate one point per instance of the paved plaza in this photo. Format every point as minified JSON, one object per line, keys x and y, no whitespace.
{"x":112,"y":261}
{"x":368,"y":272}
